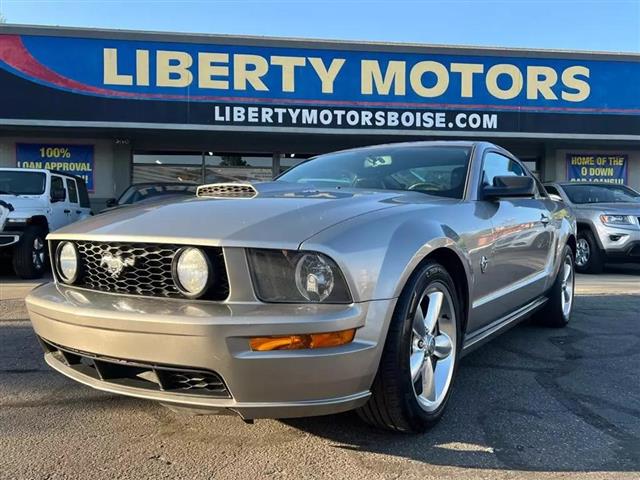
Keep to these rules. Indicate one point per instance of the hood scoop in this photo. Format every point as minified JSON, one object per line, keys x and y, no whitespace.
{"x":227,"y":190}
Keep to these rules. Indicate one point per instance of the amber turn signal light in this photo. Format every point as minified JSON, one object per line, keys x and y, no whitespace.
{"x":299,"y":342}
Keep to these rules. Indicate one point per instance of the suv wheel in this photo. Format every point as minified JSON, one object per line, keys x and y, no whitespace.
{"x":420,"y":357}
{"x":588,"y":255}
{"x":30,"y":254}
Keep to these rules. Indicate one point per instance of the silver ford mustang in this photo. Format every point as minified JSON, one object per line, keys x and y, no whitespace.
{"x":356,"y":280}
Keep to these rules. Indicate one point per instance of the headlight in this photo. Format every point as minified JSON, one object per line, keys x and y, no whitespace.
{"x":192,"y":272}
{"x":290,"y":276}
{"x":314,"y":277}
{"x":616,"y":220}
{"x":67,"y":261}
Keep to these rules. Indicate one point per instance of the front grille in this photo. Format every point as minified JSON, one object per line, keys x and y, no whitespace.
{"x":147,"y":270}
{"x":147,"y":376}
{"x":192,"y":381}
{"x":634,"y":251}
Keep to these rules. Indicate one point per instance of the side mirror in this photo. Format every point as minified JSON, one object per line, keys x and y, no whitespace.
{"x":112,"y":202}
{"x":510,"y":186}
{"x":555,"y":198}
{"x":58,"y":195}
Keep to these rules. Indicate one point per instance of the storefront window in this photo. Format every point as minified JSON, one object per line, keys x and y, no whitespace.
{"x":227,"y":167}
{"x":289,"y":160}
{"x":207,"y":167}
{"x":164,"y":167}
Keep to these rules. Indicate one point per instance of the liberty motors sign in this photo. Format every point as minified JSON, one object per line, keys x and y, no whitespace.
{"x":266,"y":84}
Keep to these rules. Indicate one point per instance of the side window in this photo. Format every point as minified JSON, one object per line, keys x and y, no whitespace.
{"x":57,"y":185}
{"x":84,"y":194}
{"x":496,"y":165}
{"x":552,"y":190}
{"x":73,"y":191}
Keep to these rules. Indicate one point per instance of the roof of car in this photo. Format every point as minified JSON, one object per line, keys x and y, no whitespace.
{"x":42,"y":170}
{"x":65,"y":174}
{"x":596,"y":184}
{"x":149,"y":184}
{"x":425,"y":143}
{"x":19,"y":169}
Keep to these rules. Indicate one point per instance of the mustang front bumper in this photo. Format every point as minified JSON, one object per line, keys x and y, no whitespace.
{"x":130,"y":336}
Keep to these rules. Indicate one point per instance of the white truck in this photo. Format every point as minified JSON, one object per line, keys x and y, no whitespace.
{"x":34,"y":202}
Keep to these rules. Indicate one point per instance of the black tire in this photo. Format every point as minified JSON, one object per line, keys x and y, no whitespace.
{"x":24,"y":263}
{"x":554,"y":314}
{"x":393,"y":404}
{"x":595,"y":260}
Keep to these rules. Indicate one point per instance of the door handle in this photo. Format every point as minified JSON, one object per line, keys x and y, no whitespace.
{"x":67,"y":211}
{"x":78,"y":212}
{"x":544,"y":219}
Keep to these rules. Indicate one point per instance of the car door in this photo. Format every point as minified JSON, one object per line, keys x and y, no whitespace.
{"x":516,"y":271}
{"x":73,"y":200}
{"x":83,"y":198}
{"x":60,"y":209}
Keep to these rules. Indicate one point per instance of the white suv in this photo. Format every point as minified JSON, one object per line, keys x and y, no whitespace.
{"x":33,"y":203}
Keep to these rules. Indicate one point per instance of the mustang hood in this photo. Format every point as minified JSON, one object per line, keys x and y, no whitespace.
{"x":281,"y":214}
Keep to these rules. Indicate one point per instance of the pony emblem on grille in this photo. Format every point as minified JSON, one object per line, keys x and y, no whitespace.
{"x":115,"y":264}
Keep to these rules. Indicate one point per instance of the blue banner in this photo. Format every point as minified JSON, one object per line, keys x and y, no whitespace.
{"x":313,"y":74}
{"x":585,"y":167}
{"x":67,"y":158}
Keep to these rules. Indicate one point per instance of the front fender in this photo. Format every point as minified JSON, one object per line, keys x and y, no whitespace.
{"x":567,"y":227}
{"x":378,"y":252}
{"x":27,"y":213}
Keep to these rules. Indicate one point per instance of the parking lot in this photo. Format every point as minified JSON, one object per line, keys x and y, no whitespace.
{"x":534,"y":403}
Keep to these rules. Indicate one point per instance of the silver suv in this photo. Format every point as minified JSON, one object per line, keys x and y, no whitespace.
{"x":608,"y":219}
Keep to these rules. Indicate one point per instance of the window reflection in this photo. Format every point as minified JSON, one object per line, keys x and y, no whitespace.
{"x":208,"y":166}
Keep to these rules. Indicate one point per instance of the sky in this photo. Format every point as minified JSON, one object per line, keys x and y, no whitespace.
{"x":598,"y":25}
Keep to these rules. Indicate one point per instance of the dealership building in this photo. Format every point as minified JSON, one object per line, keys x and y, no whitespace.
{"x":122,"y":107}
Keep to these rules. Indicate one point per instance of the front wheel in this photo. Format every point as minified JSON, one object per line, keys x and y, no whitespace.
{"x":588,"y":255}
{"x":30,"y":254}
{"x":420,"y":357}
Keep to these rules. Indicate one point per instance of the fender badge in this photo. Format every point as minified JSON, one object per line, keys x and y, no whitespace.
{"x":484,"y":262}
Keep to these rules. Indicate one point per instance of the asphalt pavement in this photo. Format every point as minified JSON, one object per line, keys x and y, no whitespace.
{"x":534,"y":403}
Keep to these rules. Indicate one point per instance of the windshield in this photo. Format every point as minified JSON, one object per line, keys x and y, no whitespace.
{"x":14,"y":182}
{"x":437,"y":171}
{"x":601,"y":194}
{"x":135,"y":194}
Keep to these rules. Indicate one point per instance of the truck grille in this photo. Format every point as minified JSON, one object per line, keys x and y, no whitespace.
{"x":149,"y":272}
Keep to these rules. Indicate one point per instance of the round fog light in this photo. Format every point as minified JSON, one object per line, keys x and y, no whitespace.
{"x":192,"y":272}
{"x":67,"y":262}
{"x":314,"y":277}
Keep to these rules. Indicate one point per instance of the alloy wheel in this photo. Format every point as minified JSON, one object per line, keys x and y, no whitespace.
{"x":433,"y":346}
{"x":583,"y":252}
{"x":567,"y":286}
{"x":38,"y":253}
